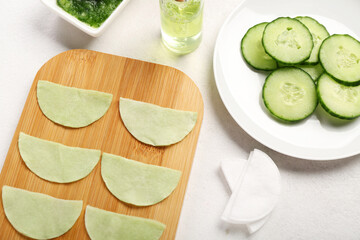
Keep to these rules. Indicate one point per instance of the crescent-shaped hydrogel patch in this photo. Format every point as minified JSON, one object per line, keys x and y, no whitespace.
{"x":38,"y":215}
{"x":101,"y":224}
{"x":71,"y":107}
{"x":137,"y":183}
{"x":56,"y":162}
{"x":155,"y":125}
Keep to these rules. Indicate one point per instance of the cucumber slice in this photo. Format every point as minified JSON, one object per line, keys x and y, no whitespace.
{"x":340,"y":57}
{"x":314,"y":71}
{"x":337,"y":99}
{"x":289,"y":94}
{"x":253,"y":50}
{"x":318,"y":33}
{"x":287,"y":40}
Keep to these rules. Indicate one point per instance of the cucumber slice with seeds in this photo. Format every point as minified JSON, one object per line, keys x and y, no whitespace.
{"x":314,"y":71}
{"x":253,"y":50}
{"x":290,"y":94}
{"x":287,"y":40}
{"x":340,"y":57}
{"x":318,"y":33}
{"x":337,"y":99}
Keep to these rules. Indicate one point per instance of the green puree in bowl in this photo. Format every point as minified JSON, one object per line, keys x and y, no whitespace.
{"x":92,"y":12}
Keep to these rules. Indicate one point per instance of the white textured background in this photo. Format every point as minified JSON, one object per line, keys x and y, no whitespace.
{"x":320,"y":200}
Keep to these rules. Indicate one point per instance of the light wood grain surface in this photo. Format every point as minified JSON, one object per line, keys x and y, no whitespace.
{"x":123,"y":77}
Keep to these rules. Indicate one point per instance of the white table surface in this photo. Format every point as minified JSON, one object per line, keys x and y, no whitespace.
{"x":320,"y":200}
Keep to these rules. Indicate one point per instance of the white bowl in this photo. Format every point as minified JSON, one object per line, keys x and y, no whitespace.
{"x":95,"y":32}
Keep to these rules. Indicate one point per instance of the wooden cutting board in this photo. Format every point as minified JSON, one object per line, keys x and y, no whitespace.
{"x":123,"y":77}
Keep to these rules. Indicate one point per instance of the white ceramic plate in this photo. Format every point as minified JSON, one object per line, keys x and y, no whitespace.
{"x":320,"y":137}
{"x":95,"y":32}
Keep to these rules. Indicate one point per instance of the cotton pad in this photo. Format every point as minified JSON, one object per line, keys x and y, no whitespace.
{"x":232,"y":171}
{"x":256,"y":192}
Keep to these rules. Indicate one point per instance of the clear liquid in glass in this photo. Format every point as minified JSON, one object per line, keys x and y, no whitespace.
{"x":181,"y":24}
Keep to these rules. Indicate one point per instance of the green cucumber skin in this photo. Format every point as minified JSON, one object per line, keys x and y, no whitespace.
{"x":356,"y":83}
{"x":331,"y":112}
{"x":281,"y":65}
{"x":307,"y":63}
{"x":313,"y":63}
{"x":316,"y":81}
{"x":275,"y":115}
{"x":323,"y":105}
{"x":259,"y":69}
{"x":246,"y":60}
{"x":292,"y":63}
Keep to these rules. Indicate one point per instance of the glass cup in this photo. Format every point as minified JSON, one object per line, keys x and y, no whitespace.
{"x":181,"y":24}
